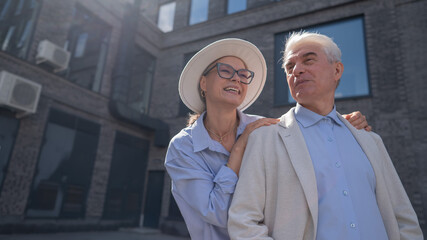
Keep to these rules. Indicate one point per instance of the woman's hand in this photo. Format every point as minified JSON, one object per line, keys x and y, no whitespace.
{"x":358,"y":120}
{"x":236,"y":154}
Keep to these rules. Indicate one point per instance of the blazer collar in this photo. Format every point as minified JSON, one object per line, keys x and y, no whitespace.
{"x":300,"y":159}
{"x":309,"y":118}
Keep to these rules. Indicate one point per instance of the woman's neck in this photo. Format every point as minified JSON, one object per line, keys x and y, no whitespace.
{"x":220,"y":121}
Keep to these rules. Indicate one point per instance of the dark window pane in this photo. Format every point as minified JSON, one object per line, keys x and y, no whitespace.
{"x":174,"y":212}
{"x":139,"y":91}
{"x":46,"y":194}
{"x":184,"y":110}
{"x":73,"y":201}
{"x":350,"y":37}
{"x":88,"y":40}
{"x":153,"y":202}
{"x":17,"y":19}
{"x":8,"y":130}
{"x":64,"y":168}
{"x":126,"y":179}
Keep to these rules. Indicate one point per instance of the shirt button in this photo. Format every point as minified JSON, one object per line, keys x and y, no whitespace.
{"x":352,"y":225}
{"x":345,"y":193}
{"x":338,"y":164}
{"x":330,"y":139}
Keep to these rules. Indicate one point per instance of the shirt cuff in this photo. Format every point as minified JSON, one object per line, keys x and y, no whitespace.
{"x":226,"y":179}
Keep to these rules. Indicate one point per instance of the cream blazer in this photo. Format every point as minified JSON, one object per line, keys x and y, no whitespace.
{"x":276,"y":195}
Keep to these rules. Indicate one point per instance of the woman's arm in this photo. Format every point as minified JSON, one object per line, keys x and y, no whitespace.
{"x":236,"y":154}
{"x":206,"y":193}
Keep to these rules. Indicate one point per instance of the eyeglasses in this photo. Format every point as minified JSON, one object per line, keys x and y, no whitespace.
{"x":226,"y":71}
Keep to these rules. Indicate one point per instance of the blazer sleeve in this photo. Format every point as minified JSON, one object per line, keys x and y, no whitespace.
{"x":406,"y":217}
{"x":246,"y":214}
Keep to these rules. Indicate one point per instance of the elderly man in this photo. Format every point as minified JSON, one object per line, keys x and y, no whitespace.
{"x":313,"y":175}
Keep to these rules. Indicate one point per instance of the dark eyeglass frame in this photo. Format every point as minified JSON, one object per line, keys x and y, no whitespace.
{"x":217,"y":65}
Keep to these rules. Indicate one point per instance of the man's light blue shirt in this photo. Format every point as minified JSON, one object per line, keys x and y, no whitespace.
{"x":345,"y":179}
{"x":201,"y":183}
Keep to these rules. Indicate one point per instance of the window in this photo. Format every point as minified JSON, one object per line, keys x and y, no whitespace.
{"x":8,"y":130}
{"x":153,"y":200}
{"x":174,"y":213}
{"x":199,"y":11}
{"x":349,"y":36}
{"x":17,"y":19}
{"x":88,"y":40}
{"x":184,"y":110}
{"x":166,"y":17}
{"x":64,"y":168}
{"x":236,"y":6}
{"x":139,"y":91}
{"x":126,"y":180}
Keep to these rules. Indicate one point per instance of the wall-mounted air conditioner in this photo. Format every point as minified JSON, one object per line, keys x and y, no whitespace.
{"x":53,"y":55}
{"x":19,"y":93}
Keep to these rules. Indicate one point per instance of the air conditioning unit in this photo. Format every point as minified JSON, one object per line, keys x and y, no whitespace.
{"x":53,"y":55}
{"x":19,"y":93}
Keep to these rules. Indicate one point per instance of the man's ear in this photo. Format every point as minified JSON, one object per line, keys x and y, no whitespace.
{"x":339,"y":69}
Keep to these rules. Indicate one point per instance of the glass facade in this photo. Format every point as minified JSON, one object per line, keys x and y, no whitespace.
{"x":17,"y":19}
{"x":88,"y":40}
{"x":199,"y":11}
{"x":166,"y":16}
{"x":349,"y":35}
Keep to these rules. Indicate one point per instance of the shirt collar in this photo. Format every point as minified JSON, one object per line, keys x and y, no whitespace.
{"x":308,"y":118}
{"x":201,"y":138}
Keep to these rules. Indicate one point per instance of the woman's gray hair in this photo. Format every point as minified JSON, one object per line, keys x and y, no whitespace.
{"x":333,"y":53}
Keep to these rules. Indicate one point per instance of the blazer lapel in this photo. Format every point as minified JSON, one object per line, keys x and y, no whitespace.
{"x":301,"y":161}
{"x":366,"y":142}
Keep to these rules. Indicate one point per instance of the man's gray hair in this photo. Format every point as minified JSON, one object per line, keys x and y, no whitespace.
{"x":333,"y":53}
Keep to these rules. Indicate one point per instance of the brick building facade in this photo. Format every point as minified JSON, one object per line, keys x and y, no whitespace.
{"x":391,"y":34}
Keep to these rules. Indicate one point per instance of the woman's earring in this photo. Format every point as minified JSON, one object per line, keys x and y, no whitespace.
{"x":203,"y":93}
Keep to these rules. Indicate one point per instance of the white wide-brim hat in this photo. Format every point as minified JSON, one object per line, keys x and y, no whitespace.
{"x":190,"y":77}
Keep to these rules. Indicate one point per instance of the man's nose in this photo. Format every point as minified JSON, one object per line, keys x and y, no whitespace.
{"x":299,"y":68}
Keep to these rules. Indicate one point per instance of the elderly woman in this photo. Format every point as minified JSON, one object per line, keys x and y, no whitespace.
{"x":204,"y":159}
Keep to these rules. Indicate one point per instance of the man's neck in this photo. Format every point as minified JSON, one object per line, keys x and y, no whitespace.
{"x":321,"y":109}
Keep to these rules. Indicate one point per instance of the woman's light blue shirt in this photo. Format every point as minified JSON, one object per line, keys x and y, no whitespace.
{"x":201,"y":183}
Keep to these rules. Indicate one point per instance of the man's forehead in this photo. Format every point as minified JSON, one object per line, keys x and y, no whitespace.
{"x":303,"y":50}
